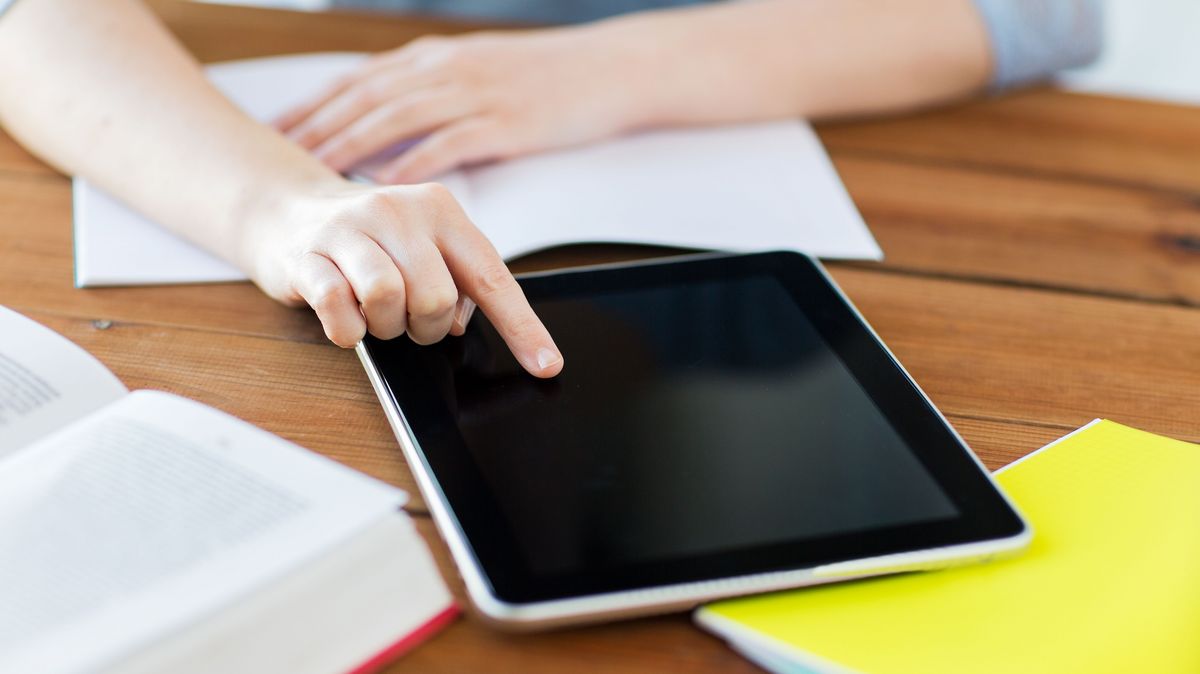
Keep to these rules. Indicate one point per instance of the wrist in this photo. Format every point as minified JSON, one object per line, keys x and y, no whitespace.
{"x":635,"y":66}
{"x":719,"y":63}
{"x":265,"y":211}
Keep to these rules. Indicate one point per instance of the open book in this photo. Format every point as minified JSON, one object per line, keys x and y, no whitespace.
{"x":142,"y":532}
{"x":750,"y":187}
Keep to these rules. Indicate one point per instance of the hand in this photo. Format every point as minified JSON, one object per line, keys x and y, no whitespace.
{"x":392,"y":260}
{"x":470,"y":99}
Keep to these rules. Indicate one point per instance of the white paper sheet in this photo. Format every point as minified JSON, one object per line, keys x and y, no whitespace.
{"x":750,"y":187}
{"x":1152,"y":50}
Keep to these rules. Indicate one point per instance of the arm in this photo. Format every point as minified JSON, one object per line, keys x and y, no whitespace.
{"x":495,"y":95}
{"x":98,"y":88}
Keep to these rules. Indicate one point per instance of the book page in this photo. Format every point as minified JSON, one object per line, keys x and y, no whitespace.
{"x":151,"y":514}
{"x":45,"y":381}
{"x":750,"y":187}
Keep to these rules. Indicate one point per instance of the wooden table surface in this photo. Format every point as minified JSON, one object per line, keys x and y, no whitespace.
{"x":1043,"y":269}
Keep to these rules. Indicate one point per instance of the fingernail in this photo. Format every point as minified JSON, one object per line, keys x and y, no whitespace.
{"x":547,"y":357}
{"x":463,"y":314}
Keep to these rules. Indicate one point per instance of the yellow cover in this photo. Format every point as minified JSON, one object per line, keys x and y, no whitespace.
{"x":1111,"y":582}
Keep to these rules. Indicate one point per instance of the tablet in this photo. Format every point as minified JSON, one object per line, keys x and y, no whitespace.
{"x":724,"y":424}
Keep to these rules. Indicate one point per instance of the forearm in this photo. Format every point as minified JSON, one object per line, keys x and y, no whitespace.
{"x":98,"y":88}
{"x":761,"y":59}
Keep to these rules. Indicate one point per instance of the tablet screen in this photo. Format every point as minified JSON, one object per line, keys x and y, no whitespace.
{"x":689,"y":418}
{"x":695,"y":418}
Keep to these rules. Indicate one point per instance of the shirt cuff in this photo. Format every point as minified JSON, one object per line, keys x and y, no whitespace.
{"x":1032,"y":39}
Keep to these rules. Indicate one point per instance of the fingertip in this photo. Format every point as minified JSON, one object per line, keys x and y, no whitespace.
{"x":549,"y":363}
{"x":346,"y":336}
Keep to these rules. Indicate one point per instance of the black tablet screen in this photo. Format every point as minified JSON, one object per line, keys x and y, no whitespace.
{"x":717,"y":417}
{"x":690,"y":418}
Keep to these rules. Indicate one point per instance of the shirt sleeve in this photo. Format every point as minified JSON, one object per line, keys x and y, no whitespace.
{"x":1032,"y":39}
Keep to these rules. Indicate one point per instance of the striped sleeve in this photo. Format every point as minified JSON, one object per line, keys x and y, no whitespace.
{"x":1032,"y":39}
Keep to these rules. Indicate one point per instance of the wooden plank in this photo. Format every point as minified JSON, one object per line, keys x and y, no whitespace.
{"x":986,"y":224}
{"x":1044,"y":133}
{"x":1002,"y":353}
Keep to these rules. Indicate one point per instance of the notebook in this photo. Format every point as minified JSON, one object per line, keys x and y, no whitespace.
{"x":1110,"y":585}
{"x":739,"y":188}
{"x":143,"y":532}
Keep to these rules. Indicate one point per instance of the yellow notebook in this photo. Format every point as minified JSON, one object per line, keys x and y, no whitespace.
{"x":1111,"y":583}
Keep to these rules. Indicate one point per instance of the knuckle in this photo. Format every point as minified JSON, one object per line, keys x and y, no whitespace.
{"x":433,"y":303}
{"x":381,"y":293}
{"x":387,"y":329}
{"x":524,"y":327}
{"x":493,"y":278}
{"x":326,"y":298}
{"x":365,"y":95}
{"x":419,"y":108}
{"x":378,"y":204}
{"x":435,"y":192}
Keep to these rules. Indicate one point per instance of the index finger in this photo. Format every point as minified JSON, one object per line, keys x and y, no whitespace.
{"x":371,"y":65}
{"x":481,"y":274}
{"x":293,"y":117}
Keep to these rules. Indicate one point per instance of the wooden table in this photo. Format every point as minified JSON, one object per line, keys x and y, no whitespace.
{"x":1043,"y":269}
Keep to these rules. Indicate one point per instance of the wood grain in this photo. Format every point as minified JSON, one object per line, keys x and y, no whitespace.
{"x":988,"y":351}
{"x":1046,"y":134}
{"x":1060,"y":232}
